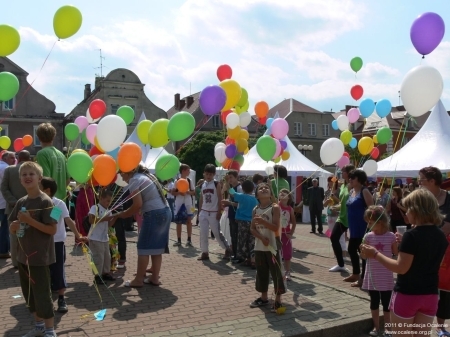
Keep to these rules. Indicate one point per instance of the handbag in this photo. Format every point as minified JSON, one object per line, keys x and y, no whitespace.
{"x":444,"y":270}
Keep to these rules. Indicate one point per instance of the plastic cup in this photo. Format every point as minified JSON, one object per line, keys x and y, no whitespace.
{"x":401,"y":230}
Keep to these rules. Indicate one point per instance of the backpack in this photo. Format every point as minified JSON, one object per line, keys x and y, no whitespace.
{"x":86,"y":224}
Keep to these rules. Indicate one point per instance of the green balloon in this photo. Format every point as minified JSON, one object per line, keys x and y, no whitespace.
{"x":384,"y":135}
{"x":9,"y":86}
{"x":240,"y":159}
{"x":181,"y":126}
{"x":167,"y":167}
{"x":71,"y":131}
{"x":346,"y":137}
{"x":84,"y":139}
{"x":243,"y":99}
{"x":80,"y":166}
{"x":157,"y":134}
{"x":266,"y":147}
{"x":245,"y":107}
{"x":356,"y":64}
{"x":126,"y":113}
{"x":218,"y":164}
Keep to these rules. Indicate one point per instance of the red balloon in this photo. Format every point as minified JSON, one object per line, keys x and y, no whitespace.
{"x":97,"y":108}
{"x":235,"y":166}
{"x":375,"y":153}
{"x":18,"y":145}
{"x":224,"y":72}
{"x":346,"y":154}
{"x":223,"y":116}
{"x":229,"y":141}
{"x":357,"y":92}
{"x":263,"y":120}
{"x":94,"y":151}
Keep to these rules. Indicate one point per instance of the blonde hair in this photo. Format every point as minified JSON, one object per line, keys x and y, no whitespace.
{"x":32,"y":166}
{"x":376,"y":213}
{"x":423,"y":204}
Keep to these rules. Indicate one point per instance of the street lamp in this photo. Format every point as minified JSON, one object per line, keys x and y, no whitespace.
{"x":304,"y":148}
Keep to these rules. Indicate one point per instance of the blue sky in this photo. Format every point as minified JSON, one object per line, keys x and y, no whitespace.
{"x":297,"y":49}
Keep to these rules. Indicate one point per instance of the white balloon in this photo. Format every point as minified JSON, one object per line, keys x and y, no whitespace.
{"x":421,"y":89}
{"x":111,"y":132}
{"x":370,"y":167}
{"x":269,"y":168}
{"x":219,"y":154}
{"x":331,"y":151}
{"x":219,"y":145}
{"x":89,"y":118}
{"x":342,"y":122}
{"x":245,"y":119}
{"x":120,"y":182}
{"x":233,"y":120}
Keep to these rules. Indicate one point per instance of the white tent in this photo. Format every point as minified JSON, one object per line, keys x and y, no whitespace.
{"x":429,"y":147}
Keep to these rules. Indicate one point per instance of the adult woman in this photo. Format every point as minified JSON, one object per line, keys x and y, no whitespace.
{"x":396,"y":211}
{"x":358,"y":200}
{"x":341,"y":225}
{"x":415,"y":297}
{"x":332,"y":213}
{"x":147,"y":196}
{"x":430,"y":178}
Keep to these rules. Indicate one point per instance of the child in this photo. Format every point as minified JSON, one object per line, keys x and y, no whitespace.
{"x":287,"y":219}
{"x":378,"y":280}
{"x":265,"y":225}
{"x":245,"y":241}
{"x":57,"y":272}
{"x":184,"y":200}
{"x":101,"y":220}
{"x":210,"y":212}
{"x":34,"y":228}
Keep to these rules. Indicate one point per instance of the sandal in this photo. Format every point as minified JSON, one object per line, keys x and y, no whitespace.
{"x":148,"y":281}
{"x":129,"y":285}
{"x":356,"y":284}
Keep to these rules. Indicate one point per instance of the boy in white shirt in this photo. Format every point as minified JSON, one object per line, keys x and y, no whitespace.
{"x":100,"y":219}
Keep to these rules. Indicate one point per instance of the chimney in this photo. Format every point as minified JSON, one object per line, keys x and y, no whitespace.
{"x":182,"y":103}
{"x":177,"y":101}
{"x":189,"y":101}
{"x":87,"y":91}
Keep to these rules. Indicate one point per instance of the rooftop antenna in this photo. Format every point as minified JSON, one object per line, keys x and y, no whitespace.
{"x":101,"y":64}
{"x":190,"y":90}
{"x":399,"y":98}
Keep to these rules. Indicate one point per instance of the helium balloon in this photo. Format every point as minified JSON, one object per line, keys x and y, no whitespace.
{"x":126,"y":113}
{"x":261,"y":109}
{"x":421,"y":89}
{"x":383,"y":108}
{"x":233,"y":92}
{"x":129,"y":157}
{"x":79,"y":166}
{"x":346,"y":154}
{"x":111,"y":132}
{"x":91,"y":133}
{"x":384,"y":135}
{"x":245,"y":119}
{"x":18,"y":145}
{"x":104,"y":169}
{"x":97,"y":108}
{"x":240,"y":159}
{"x":353,"y":143}
{"x":356,"y":92}
{"x":285,"y":155}
{"x":89,"y":118}
{"x":427,"y":32}
{"x":9,"y":40}
{"x":334,"y":125}
{"x":157,"y":135}
{"x":234,"y":133}
{"x":212,"y":100}
{"x":224,"y":72}
{"x":366,"y":107}
{"x":342,"y":122}
{"x":269,"y":122}
{"x":283,"y":144}
{"x":27,"y":140}
{"x":266,"y":147}
{"x":279,"y":128}
{"x":262,"y":120}
{"x":5,"y":142}
{"x":353,"y":115}
{"x":375,"y":139}
{"x":233,"y":120}
{"x":242,"y":144}
{"x":230,"y":151}
{"x":181,"y":126}
{"x":356,"y":64}
{"x":182,"y":185}
{"x":142,"y":130}
{"x":71,"y":131}
{"x":365,"y":145}
{"x":370,"y":167}
{"x":331,"y":151}
{"x":346,"y":137}
{"x":375,"y":153}
{"x":269,"y":168}
{"x":219,"y":153}
{"x":244,"y":99}
{"x":95,"y":151}
{"x":67,"y":21}
{"x":9,"y":86}
{"x":82,"y":122}
{"x":167,"y":167}
{"x":344,"y":160}
{"x":244,"y":134}
{"x":224,"y":115}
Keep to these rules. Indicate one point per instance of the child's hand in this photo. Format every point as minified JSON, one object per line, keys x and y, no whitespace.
{"x":24,"y":217}
{"x":398,"y":237}
{"x":181,"y":193}
{"x":225,"y":203}
{"x":265,"y":241}
{"x":83,"y":239}
{"x":290,"y":236}
{"x":14,"y":227}
{"x":259,"y":221}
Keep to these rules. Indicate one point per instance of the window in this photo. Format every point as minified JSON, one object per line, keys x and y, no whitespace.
{"x":36,"y":141}
{"x":8,"y":105}
{"x":390,"y":147}
{"x":298,"y":128}
{"x":325,"y":130}
{"x":216,"y":121}
{"x":4,"y":130}
{"x":114,"y":108}
{"x":312,"y":129}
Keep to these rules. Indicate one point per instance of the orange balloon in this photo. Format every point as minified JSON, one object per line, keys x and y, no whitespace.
{"x":104,"y":169}
{"x":129,"y":157}
{"x":182,"y":185}
{"x":227,"y":163}
{"x":261,"y":109}
{"x":27,"y":140}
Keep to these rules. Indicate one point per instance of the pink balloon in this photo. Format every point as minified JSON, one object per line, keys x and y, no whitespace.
{"x":279,"y":148}
{"x":82,"y":122}
{"x":343,"y":161}
{"x":91,"y":132}
{"x":353,"y":115}
{"x":279,"y":128}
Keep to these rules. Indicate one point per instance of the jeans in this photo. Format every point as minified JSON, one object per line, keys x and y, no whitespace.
{"x":171,"y":202}
{"x":119,"y":226}
{"x":335,"y":237}
{"x":4,"y":233}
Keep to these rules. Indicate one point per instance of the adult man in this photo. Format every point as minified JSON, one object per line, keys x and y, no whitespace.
{"x":316,"y":195}
{"x":52,"y":160}
{"x":11,"y":191}
{"x":8,"y":158}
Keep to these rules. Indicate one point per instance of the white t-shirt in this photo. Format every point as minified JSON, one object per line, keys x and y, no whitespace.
{"x":210,"y":199}
{"x":60,"y":235}
{"x":99,"y":231}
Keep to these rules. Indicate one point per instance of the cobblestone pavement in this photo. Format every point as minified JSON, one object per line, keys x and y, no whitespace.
{"x":198,"y":298}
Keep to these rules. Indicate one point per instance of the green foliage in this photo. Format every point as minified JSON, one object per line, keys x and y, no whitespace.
{"x":252,"y":140}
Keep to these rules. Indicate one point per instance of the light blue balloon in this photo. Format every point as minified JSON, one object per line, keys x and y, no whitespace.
{"x":383,"y":108}
{"x":114,"y":153}
{"x":334,"y":125}
{"x":366,"y":107}
{"x":269,"y":122}
{"x":353,"y":143}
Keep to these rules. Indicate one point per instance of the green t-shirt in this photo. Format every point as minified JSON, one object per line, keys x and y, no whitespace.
{"x":343,"y":197}
{"x":279,"y":184}
{"x":54,"y":165}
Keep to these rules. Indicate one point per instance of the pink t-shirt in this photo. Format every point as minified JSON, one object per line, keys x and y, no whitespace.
{"x":378,"y":277}
{"x":285,"y":217}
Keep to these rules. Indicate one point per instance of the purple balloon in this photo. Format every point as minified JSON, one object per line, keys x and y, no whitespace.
{"x":231,"y":151}
{"x":427,"y":32}
{"x":283,"y":144}
{"x":212,"y":99}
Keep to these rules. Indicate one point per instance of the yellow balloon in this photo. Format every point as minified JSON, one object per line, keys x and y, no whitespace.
{"x":157,"y":135}
{"x":277,"y":160}
{"x":67,"y":21}
{"x":346,"y":137}
{"x":242,"y":144}
{"x":142,"y":130}
{"x":79,"y":150}
{"x":233,"y":91}
{"x":365,"y":145}
{"x":234,"y":133}
{"x":9,"y":40}
{"x":285,"y":155}
{"x":375,"y":139}
{"x":5,"y":142}
{"x":244,"y":134}
{"x":246,"y":150}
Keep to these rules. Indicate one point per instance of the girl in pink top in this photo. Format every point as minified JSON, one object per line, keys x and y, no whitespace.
{"x":287,"y":218}
{"x":379,"y":280}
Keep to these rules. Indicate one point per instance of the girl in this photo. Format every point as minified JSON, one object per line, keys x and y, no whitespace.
{"x":414,"y":301}
{"x":332,"y":194}
{"x":265,"y":225}
{"x":379,"y":280}
{"x":287,"y":219}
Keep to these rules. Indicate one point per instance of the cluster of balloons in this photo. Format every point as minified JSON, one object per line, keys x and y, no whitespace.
{"x":19,"y":143}
{"x":273,"y":147}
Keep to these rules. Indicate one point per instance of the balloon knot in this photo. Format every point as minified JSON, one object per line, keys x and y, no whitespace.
{"x":423,"y":56}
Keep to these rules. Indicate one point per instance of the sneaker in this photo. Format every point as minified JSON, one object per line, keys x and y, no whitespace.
{"x":287,"y":276}
{"x":259,"y":302}
{"x":50,"y":334}
{"x":108,"y":277}
{"x":374,"y":332}
{"x":177,"y":244}
{"x":189,"y":244}
{"x":35,"y":332}
{"x":62,"y":306}
{"x":276,"y":306}
{"x":337,"y":268}
{"x":120,"y":266}
{"x":98,"y":280}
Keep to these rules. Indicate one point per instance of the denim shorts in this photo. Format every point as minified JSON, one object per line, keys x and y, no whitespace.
{"x":154,"y":234}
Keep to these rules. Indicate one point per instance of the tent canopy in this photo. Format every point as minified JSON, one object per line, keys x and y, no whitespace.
{"x":426,"y":148}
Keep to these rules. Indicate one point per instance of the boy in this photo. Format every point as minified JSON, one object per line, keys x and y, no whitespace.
{"x":101,"y":220}
{"x":34,"y":230}
{"x":185,"y":199}
{"x":57,"y":272}
{"x":210,"y":212}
